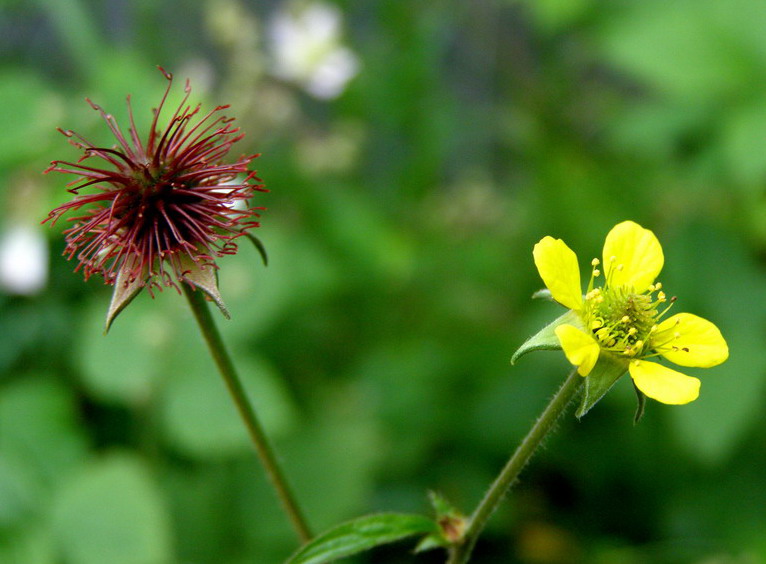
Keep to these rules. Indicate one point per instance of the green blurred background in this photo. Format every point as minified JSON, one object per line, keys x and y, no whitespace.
{"x":415,"y":151}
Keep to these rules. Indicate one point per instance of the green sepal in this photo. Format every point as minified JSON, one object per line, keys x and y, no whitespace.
{"x":260,"y":247}
{"x":546,"y":339}
{"x":544,"y":294}
{"x":203,"y":276}
{"x":362,"y":534}
{"x":641,"y":397}
{"x":605,"y":373}
{"x":124,"y":292}
{"x":441,"y":505}
{"x":451,"y":525}
{"x":434,"y":540}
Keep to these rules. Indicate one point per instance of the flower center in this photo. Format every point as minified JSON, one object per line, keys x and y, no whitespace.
{"x":159,"y":212}
{"x":621,"y":319}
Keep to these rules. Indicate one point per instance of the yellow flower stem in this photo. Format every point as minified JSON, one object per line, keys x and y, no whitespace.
{"x":225,"y":366}
{"x":461,"y":553}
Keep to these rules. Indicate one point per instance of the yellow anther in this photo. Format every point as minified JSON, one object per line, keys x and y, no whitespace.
{"x":676,"y":335}
{"x":620,"y":267}
{"x":651,"y":288}
{"x":632,"y":331}
{"x":658,"y":285}
{"x":661,"y":296}
{"x":625,"y":319}
{"x":595,"y":262}
{"x":639,"y":344}
{"x":596,"y":272}
{"x":612,"y":259}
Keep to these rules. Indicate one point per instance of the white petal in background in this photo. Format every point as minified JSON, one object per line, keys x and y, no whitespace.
{"x":23,"y":260}
{"x":307,"y":50}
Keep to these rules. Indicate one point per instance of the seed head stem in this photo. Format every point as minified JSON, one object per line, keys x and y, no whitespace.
{"x":226,"y":368}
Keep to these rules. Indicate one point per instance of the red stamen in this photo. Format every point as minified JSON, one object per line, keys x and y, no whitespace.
{"x":158,"y":201}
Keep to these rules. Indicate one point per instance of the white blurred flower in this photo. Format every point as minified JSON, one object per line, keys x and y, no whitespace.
{"x":306,"y":48}
{"x":23,"y":260}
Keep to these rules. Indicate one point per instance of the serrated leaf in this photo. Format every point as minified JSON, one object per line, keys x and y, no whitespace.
{"x":203,"y":276}
{"x":124,"y":292}
{"x":546,"y":339}
{"x":111,"y":510}
{"x":362,"y":534}
{"x":607,"y":371}
{"x":40,"y":430}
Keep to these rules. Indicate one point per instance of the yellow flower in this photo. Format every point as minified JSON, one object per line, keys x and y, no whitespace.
{"x":625,"y":316}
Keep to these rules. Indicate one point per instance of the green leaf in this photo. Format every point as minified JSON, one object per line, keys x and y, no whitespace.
{"x":197,"y":413}
{"x":607,"y":371}
{"x":678,"y":58}
{"x":554,"y":15}
{"x":30,"y":545}
{"x":35,"y":107}
{"x":362,"y":534}
{"x":18,"y":493}
{"x":40,"y":434}
{"x":546,"y":339}
{"x":126,"y":366}
{"x":112,"y":511}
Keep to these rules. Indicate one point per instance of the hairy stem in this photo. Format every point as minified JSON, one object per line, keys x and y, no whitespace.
{"x":461,"y":553}
{"x":225,"y":366}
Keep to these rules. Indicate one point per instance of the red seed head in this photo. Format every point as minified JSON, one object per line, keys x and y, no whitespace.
{"x":156,"y":201}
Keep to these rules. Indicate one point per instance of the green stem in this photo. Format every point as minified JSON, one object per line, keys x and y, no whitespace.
{"x":460,"y":554}
{"x":223,"y":361}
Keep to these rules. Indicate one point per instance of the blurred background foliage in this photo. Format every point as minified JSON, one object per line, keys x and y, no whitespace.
{"x":415,"y":152}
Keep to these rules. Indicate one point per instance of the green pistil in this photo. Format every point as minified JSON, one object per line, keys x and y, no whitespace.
{"x":621,"y":320}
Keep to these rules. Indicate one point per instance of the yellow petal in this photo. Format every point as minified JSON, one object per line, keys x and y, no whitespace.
{"x":664,"y":384}
{"x":632,"y":256}
{"x":580,"y":348}
{"x":557,"y":265}
{"x":689,"y":340}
